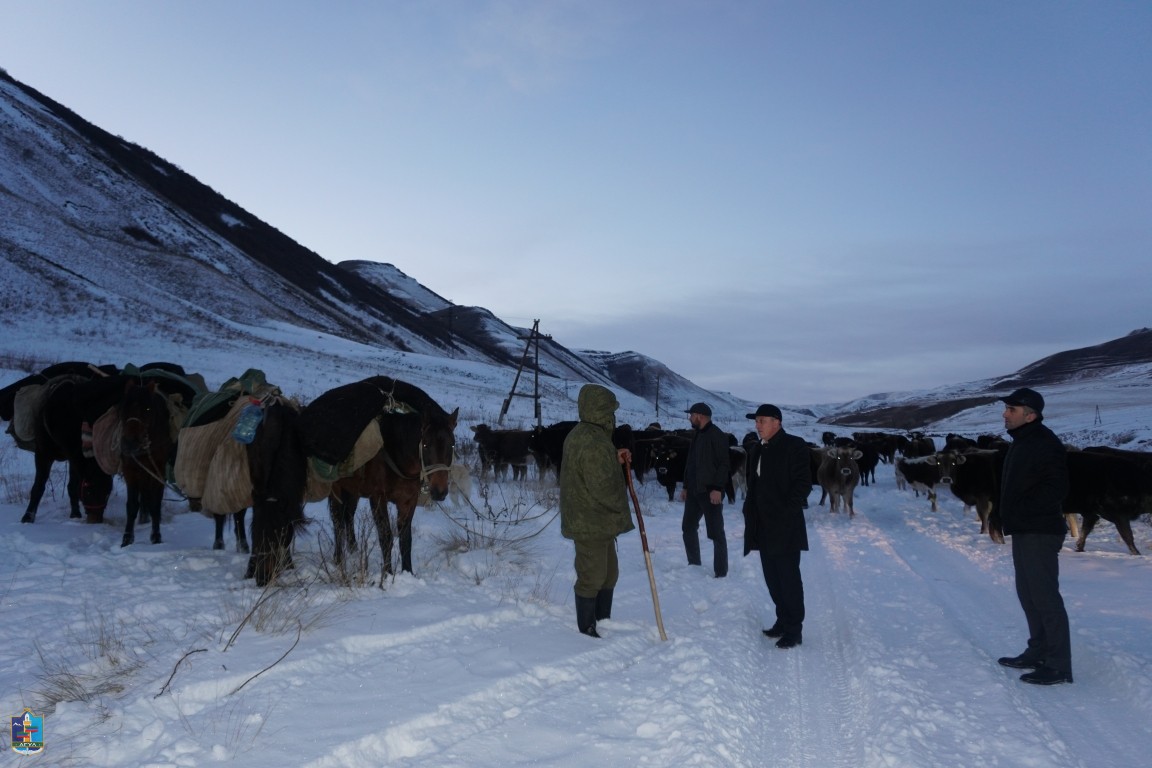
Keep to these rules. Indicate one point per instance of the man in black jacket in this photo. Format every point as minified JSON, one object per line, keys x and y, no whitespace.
{"x":705,"y":475}
{"x":1032,"y":491}
{"x":779,"y":481}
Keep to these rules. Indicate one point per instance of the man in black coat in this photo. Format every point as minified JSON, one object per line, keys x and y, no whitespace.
{"x":779,"y":481}
{"x":705,"y":475}
{"x":1032,"y":491}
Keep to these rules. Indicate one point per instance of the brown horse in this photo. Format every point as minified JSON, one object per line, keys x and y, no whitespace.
{"x":145,"y":447}
{"x":418,"y":442}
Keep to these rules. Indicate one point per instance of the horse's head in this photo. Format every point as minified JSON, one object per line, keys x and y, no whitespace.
{"x":437,"y":447}
{"x":143,"y":421}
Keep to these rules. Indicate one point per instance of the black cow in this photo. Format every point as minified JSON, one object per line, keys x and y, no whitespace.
{"x":921,"y":473}
{"x":885,"y":443}
{"x":502,"y":448}
{"x":869,"y":458}
{"x":1111,"y":484}
{"x":644,"y":443}
{"x":973,"y":476}
{"x":547,"y":445}
{"x":917,"y":444}
{"x":737,"y":477}
{"x":669,"y":458}
{"x":838,"y":475}
{"x":955,"y":442}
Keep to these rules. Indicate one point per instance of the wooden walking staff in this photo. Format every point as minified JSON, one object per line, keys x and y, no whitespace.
{"x":644,"y":543}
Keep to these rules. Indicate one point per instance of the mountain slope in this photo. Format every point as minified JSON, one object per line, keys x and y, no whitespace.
{"x":103,"y":230}
{"x":1127,"y":359}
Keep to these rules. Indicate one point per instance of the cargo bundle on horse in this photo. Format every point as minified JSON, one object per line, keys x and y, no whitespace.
{"x":416,"y":442}
{"x":211,"y":468}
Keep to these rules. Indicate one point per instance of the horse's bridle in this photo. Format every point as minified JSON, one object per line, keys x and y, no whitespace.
{"x":426,"y":470}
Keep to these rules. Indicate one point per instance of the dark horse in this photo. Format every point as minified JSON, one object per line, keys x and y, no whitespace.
{"x":418,"y":442}
{"x":279,"y":470}
{"x":237,"y":529}
{"x":145,"y":447}
{"x":58,"y":428}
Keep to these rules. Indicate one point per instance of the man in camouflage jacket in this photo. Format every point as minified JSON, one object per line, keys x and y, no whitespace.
{"x":594,"y":504}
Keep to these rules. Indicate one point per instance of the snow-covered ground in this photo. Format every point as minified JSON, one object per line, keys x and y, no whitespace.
{"x":162,"y":655}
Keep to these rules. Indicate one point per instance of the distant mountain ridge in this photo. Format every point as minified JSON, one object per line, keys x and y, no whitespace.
{"x":1133,"y":349}
{"x":912,"y":411}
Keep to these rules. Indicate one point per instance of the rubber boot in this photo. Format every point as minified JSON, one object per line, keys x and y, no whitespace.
{"x":586,"y":615}
{"x":604,"y":604}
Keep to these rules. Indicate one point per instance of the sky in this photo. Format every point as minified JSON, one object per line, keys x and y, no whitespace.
{"x":163,"y":655}
{"x":794,"y":202}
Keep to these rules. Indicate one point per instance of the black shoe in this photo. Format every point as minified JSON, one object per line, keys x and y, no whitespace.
{"x":774,"y":631}
{"x":1046,"y":676}
{"x":1023,"y":661}
{"x":790,"y":641}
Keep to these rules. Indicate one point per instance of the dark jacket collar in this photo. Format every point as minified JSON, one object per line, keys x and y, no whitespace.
{"x":1025,"y":429}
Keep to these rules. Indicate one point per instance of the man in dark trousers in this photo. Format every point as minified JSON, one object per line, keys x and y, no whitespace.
{"x":779,"y":481}
{"x":705,"y":475}
{"x":1032,"y":491}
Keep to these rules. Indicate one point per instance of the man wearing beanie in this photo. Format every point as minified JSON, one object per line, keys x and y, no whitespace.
{"x":1032,"y":490}
{"x":779,"y":481}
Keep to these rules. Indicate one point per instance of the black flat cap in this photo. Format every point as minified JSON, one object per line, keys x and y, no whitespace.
{"x":1029,"y":398}
{"x":766,"y":410}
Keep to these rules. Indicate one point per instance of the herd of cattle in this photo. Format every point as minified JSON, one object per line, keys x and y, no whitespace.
{"x":1107,"y":483}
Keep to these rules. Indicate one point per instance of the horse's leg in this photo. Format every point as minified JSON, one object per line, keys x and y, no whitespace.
{"x":75,"y":479}
{"x":1088,"y":521}
{"x":131,"y":508}
{"x":384,"y":532}
{"x":404,"y":513}
{"x":241,"y":536}
{"x":218,"y":541}
{"x":43,"y":469}
{"x":338,"y":504}
{"x":1124,"y":527}
{"x":155,"y":500}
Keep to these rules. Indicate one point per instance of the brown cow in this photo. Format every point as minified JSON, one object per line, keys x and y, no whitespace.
{"x":838,"y":476}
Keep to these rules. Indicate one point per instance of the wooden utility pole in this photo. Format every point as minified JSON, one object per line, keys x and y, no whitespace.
{"x":657,"y":397}
{"x":533,"y":339}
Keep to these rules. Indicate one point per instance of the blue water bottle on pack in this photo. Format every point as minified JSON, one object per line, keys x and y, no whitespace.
{"x":250,"y":418}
